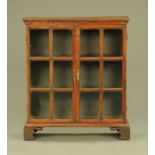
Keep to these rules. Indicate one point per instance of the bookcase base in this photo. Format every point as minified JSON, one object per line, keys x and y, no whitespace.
{"x":123,"y":130}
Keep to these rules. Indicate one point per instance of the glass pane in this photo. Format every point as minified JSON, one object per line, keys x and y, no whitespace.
{"x":62,"y":74}
{"x":89,"y":43}
{"x":62,"y":105}
{"x":89,"y":74}
{"x":112,"y":105}
{"x":112,"y":74}
{"x":40,"y":105}
{"x":89,"y":105}
{"x":62,"y":43}
{"x":40,"y":74}
{"x":39,"y":42}
{"x":113,"y":42}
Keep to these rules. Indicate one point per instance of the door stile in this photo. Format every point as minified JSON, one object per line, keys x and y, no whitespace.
{"x":51,"y":72}
{"x":124,"y":73}
{"x":76,"y":74}
{"x":28,"y":73}
{"x":101,"y":74}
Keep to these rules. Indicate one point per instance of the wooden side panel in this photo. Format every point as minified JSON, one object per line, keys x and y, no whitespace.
{"x":28,"y":72}
{"x":124,"y":107}
{"x":101,"y":74}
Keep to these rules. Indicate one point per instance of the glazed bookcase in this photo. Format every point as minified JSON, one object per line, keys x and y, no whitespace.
{"x":76,"y":73}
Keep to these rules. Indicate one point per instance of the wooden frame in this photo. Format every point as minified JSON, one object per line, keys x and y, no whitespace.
{"x":75,"y":25}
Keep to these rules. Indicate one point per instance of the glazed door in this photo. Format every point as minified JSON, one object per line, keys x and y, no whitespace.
{"x":52,"y":71}
{"x":99,"y":89}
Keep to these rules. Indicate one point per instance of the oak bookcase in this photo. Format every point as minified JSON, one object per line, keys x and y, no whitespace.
{"x":76,"y":73}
